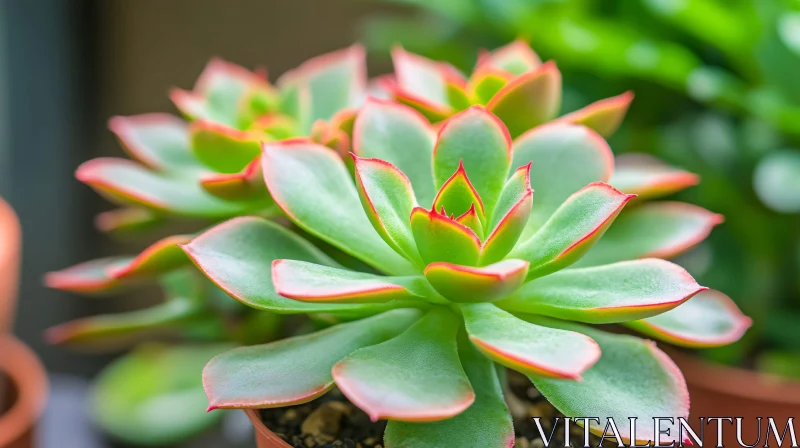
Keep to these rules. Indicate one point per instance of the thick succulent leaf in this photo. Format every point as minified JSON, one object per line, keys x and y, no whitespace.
{"x":126,"y":182}
{"x":160,"y":257}
{"x":238,"y":254}
{"x":154,"y":396}
{"x":515,"y":58}
{"x":659,"y":230}
{"x":276,"y":125}
{"x":469,"y":284}
{"x":127,"y":220}
{"x":312,"y":185}
{"x":603,"y":116}
{"x":484,"y":84}
{"x":479,"y":140}
{"x":401,"y":136}
{"x":294,"y":370}
{"x":565,"y":158}
{"x":335,"y":81}
{"x":388,"y":200}
{"x":572,"y":230}
{"x":618,"y":292}
{"x":471,"y":219}
{"x":420,"y":78}
{"x":648,"y":177}
{"x":528,"y":100}
{"x":440,"y":238}
{"x":528,"y":348}
{"x":709,"y":319}
{"x":487,"y":423}
{"x":457,"y":195}
{"x":160,"y":141}
{"x":416,"y":376}
{"x":310,"y":282}
{"x":114,"y":331}
{"x":632,"y":379}
{"x":246,"y":185}
{"x":89,"y":277}
{"x":222,"y":148}
{"x":510,"y":215}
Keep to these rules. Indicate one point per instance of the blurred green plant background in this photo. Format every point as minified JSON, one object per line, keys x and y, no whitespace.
{"x":716,"y":93}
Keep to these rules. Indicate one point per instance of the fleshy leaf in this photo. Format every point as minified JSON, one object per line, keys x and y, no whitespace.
{"x":659,"y":230}
{"x":126,"y":182}
{"x":224,"y":149}
{"x":471,"y":219}
{"x":572,"y":230}
{"x":310,"y":282}
{"x":89,"y":277}
{"x":618,"y":292}
{"x":468,"y":284}
{"x":515,"y":58}
{"x":484,"y":84}
{"x":160,"y":257}
{"x":603,"y":116}
{"x":486,"y":424}
{"x":420,"y":78}
{"x":416,"y":376}
{"x":457,"y":195}
{"x":528,"y":100}
{"x":401,"y":136}
{"x":160,"y":141}
{"x":388,"y":199}
{"x":246,"y":185}
{"x":440,"y":238}
{"x":479,"y":140}
{"x":127,"y":220}
{"x":510,"y":215}
{"x":238,"y":254}
{"x":294,"y":370}
{"x":528,"y":348}
{"x":313,"y":186}
{"x":565,"y":158}
{"x":632,"y":379}
{"x":709,"y":319}
{"x":648,"y":177}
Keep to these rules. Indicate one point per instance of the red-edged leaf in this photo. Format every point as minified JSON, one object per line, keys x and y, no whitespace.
{"x":471,"y":219}
{"x":275,"y":125}
{"x":225,"y":149}
{"x":394,"y":380}
{"x":481,"y":142}
{"x":159,"y":258}
{"x":528,"y":348}
{"x":659,"y":230}
{"x":388,"y":199}
{"x":603,"y":116}
{"x":159,"y":141}
{"x":709,"y":319}
{"x":515,"y":58}
{"x":572,"y":230}
{"x":528,"y":100}
{"x":469,"y":284}
{"x":511,"y":213}
{"x":89,"y":277}
{"x":247,"y":184}
{"x":440,"y":238}
{"x":310,"y":282}
{"x":648,"y":177}
{"x":618,"y":292}
{"x":457,"y":195}
{"x":421,"y":79}
{"x":127,"y":220}
{"x":484,"y":84}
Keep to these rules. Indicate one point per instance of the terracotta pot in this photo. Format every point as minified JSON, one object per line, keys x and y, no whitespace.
{"x":26,"y":392}
{"x":722,"y":391}
{"x":264,"y":437}
{"x":10,"y":236}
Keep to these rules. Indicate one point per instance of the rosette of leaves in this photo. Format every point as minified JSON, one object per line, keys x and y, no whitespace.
{"x":478,"y":241}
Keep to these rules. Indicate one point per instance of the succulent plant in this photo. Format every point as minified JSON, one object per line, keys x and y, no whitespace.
{"x":474,"y":269}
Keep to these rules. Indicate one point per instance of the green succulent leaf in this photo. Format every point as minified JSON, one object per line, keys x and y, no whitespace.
{"x":551,"y":149}
{"x":238,"y":254}
{"x":632,"y":379}
{"x":310,"y":282}
{"x":528,"y":100}
{"x":485,"y":84}
{"x":90,"y":277}
{"x":516,"y":58}
{"x":247,"y":185}
{"x":401,"y":136}
{"x":487,"y":423}
{"x":127,"y":221}
{"x":160,"y":141}
{"x":481,"y":142}
{"x":163,"y":256}
{"x":422,"y":79}
{"x":709,"y":319}
{"x":312,"y":185}
{"x":224,"y":149}
{"x":154,"y":395}
{"x":648,"y":177}
{"x":294,"y":370}
{"x":659,"y":230}
{"x":388,"y":199}
{"x":510,"y":216}
{"x":604,"y":116}
{"x":457,"y":195}
{"x":572,"y":230}
{"x":440,"y":238}
{"x":528,"y":348}
{"x":618,"y":292}
{"x":416,"y":376}
{"x":472,"y":220}
{"x":469,"y":284}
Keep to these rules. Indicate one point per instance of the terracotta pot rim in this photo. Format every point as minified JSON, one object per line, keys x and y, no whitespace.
{"x":27,"y":374}
{"x":10,"y":236}
{"x":265,"y":438}
{"x":735,"y":381}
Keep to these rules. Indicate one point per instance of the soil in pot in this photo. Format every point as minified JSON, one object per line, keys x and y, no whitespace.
{"x":332,"y":421}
